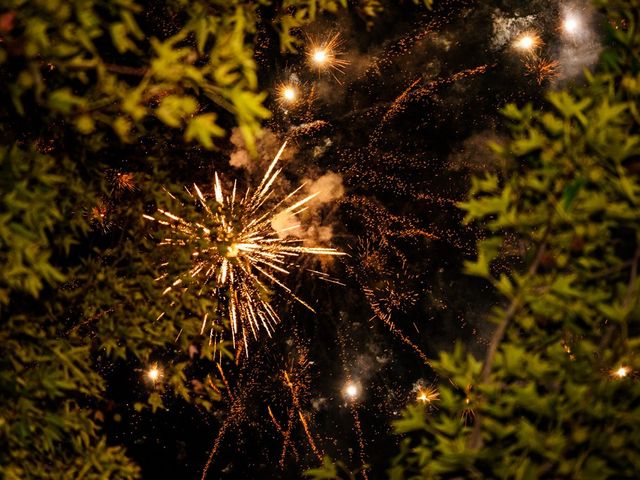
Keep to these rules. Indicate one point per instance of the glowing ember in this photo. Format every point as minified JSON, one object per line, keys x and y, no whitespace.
{"x":319,"y":57}
{"x":288,"y":93}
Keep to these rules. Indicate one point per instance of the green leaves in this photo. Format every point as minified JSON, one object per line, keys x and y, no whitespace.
{"x":487,"y":251}
{"x":564,"y":210}
{"x":203,"y":128}
{"x":28,"y":215}
{"x":64,"y":101}
{"x":174,"y":110}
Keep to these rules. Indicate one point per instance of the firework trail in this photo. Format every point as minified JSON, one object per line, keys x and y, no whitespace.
{"x":412,"y":93}
{"x":352,"y":393}
{"x":377,"y":219}
{"x":399,"y":47}
{"x":286,"y":435}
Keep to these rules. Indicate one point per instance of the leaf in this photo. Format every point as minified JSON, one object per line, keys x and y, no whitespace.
{"x":488,"y":249}
{"x":174,"y":109}
{"x":203,"y":128}
{"x":64,"y":101}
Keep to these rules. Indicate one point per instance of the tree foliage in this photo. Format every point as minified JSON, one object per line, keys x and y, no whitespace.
{"x":555,"y":395}
{"x":104,"y":103}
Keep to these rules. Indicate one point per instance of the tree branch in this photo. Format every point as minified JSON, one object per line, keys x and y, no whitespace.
{"x":475,"y":439}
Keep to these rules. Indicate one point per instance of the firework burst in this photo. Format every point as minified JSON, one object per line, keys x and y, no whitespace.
{"x":527,"y":42}
{"x":288,"y":94}
{"x":236,"y":253}
{"x":326,"y":55}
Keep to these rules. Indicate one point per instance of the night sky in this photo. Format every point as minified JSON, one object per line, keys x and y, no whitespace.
{"x":392,"y":141}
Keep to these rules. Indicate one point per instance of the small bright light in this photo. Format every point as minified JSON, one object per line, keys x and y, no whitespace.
{"x":351,"y":390}
{"x":527,"y":41}
{"x":319,"y":56}
{"x":428,"y":394}
{"x":571,"y":25}
{"x":622,"y":372}
{"x":289,"y":94}
{"x":153,"y":373}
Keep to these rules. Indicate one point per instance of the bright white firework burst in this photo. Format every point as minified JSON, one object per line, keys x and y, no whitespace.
{"x":237,"y":252}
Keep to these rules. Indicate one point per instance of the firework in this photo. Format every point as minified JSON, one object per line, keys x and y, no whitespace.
{"x":572,"y":24}
{"x":236,"y":252}
{"x":621,"y":372}
{"x":154,"y":373}
{"x":351,"y":391}
{"x":325,"y":55}
{"x":428,"y":395}
{"x":542,"y":69}
{"x":288,"y":94}
{"x":527,"y":42}
{"x":468,"y":414}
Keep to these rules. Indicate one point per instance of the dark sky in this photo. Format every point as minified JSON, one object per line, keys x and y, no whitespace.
{"x":403,"y":128}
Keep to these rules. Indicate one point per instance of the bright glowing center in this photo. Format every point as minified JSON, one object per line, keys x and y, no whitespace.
{"x":622,"y":372}
{"x":525,"y":43}
{"x":232,"y":251}
{"x":571,"y":25}
{"x":351,"y":390}
{"x":319,"y":56}
{"x":153,"y":374}
{"x":289,"y":94}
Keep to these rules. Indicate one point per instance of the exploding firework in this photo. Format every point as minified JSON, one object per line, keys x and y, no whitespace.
{"x":236,"y":252}
{"x":154,"y":374}
{"x":288,"y":94}
{"x":620,"y":372}
{"x":428,"y":395}
{"x":542,"y":69}
{"x":527,"y":42}
{"x":325,"y":55}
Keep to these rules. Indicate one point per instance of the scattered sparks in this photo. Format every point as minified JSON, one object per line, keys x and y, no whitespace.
{"x":542,"y":69}
{"x":236,"y":252}
{"x":325,"y":55}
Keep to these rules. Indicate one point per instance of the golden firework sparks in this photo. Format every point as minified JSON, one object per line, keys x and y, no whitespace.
{"x":351,"y":390}
{"x":527,"y":42}
{"x":236,"y":252}
{"x":428,"y":395}
{"x":621,"y":372}
{"x":154,"y":373}
{"x":542,"y":69}
{"x":288,"y":94}
{"x":325,"y":55}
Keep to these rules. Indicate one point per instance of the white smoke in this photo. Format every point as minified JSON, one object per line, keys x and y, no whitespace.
{"x":308,"y":225}
{"x":505,"y":29}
